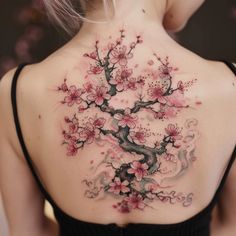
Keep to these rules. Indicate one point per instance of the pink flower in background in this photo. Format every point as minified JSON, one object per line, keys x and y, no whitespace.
{"x":98,"y":95}
{"x":233,"y":12}
{"x":74,"y":96}
{"x":34,"y":33}
{"x":38,"y":4}
{"x":135,"y":201}
{"x":22,"y":48}
{"x":117,"y":186}
{"x":139,"y":169}
{"x":127,"y":119}
{"x":174,"y":132}
{"x":25,"y":14}
{"x":120,"y":56}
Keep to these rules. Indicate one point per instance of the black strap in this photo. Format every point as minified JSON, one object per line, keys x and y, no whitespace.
{"x":231,"y":66}
{"x":19,"y":132}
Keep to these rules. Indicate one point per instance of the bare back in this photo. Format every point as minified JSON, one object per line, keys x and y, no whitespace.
{"x":128,"y":127}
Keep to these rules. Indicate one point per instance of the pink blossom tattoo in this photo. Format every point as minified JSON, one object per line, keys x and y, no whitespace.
{"x":150,"y":173}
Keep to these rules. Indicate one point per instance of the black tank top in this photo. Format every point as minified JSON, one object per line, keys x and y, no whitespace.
{"x":198,"y":224}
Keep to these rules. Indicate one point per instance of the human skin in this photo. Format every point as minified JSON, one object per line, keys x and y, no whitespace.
{"x":48,"y":84}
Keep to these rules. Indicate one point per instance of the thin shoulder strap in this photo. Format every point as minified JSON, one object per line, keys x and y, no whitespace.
{"x":231,"y":66}
{"x":19,"y":132}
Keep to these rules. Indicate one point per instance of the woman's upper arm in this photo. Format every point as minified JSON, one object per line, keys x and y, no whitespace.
{"x":224,"y":220}
{"x":228,"y":198}
{"x":23,"y":202}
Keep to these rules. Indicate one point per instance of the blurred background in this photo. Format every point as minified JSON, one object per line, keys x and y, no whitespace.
{"x":27,"y":36}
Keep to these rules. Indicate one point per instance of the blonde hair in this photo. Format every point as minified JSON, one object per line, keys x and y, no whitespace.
{"x":70,"y":14}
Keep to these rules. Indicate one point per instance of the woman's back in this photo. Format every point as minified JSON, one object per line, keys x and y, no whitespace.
{"x":197,"y":112}
{"x":127,"y":126}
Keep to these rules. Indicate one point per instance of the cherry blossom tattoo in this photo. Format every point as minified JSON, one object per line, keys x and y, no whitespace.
{"x":139,"y":166}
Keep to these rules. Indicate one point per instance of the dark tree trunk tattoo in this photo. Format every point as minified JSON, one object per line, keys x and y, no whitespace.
{"x":132,"y":181}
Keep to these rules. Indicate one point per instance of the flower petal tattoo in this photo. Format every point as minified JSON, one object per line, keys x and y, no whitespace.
{"x":149,"y":174}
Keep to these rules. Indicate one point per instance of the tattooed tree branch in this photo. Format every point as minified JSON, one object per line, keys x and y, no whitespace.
{"x":118,"y":77}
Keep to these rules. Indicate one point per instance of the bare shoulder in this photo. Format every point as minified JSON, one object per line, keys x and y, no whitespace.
{"x":5,"y":82}
{"x":27,"y":87}
{"x":5,"y":101}
{"x":223,"y":75}
{"x":220,"y":66}
{"x":222,"y":82}
{"x":33,"y":85}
